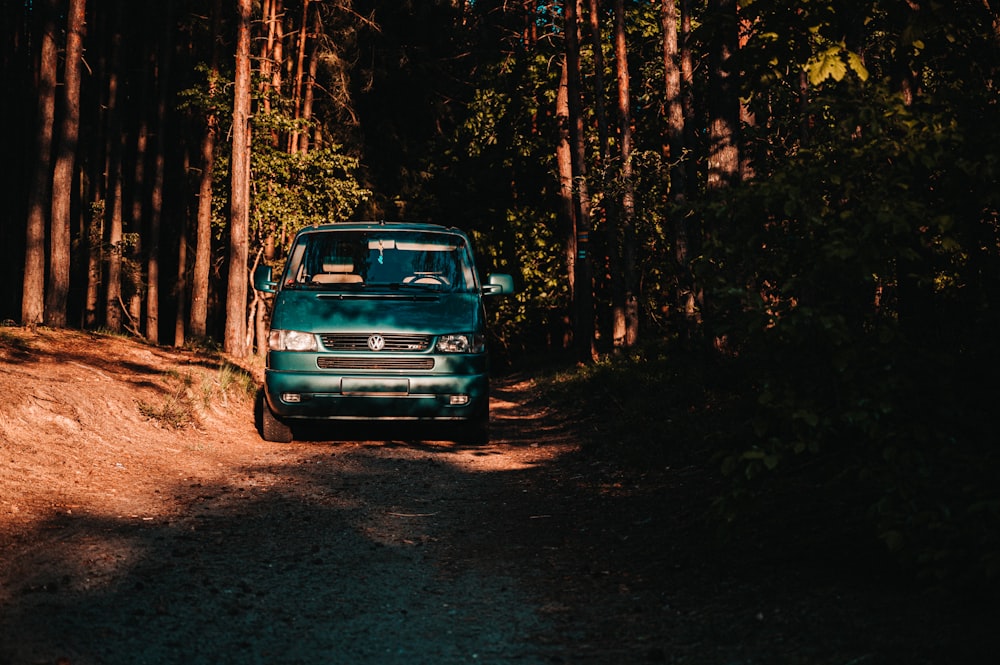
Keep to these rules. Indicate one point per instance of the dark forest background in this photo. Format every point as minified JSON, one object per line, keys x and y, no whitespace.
{"x":768,"y":227}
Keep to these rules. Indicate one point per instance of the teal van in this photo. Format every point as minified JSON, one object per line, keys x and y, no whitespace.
{"x":380,"y":321}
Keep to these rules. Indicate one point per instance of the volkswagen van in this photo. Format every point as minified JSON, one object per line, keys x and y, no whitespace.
{"x":380,"y":321}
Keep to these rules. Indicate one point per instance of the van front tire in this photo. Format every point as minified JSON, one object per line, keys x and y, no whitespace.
{"x":272,"y":428}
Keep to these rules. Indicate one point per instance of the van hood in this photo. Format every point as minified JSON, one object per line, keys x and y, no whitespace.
{"x":404,"y":312}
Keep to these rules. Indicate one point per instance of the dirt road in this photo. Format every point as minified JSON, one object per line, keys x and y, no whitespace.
{"x":143,"y":520}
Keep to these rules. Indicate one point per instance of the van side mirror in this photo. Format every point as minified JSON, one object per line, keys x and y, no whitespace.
{"x":263,"y":279}
{"x":498,"y":284}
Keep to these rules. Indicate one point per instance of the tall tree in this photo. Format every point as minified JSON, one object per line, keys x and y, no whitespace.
{"x":564,"y":164}
{"x":309,"y":94}
{"x":299,"y":80}
{"x":677,"y":81}
{"x":113,"y":209}
{"x":95,"y":196}
{"x":62,"y":180}
{"x":583,"y":327}
{"x":723,"y":97}
{"x":597,"y":44}
{"x":39,"y":201}
{"x":203,"y":225}
{"x":114,"y":307}
{"x":234,"y":341}
{"x":626,"y":309}
{"x":159,"y":167}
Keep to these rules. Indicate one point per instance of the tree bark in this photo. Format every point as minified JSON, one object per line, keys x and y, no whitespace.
{"x":627,"y":322}
{"x":156,"y":194}
{"x":180,"y":288}
{"x":584,"y":293}
{"x":603,"y":133}
{"x":300,"y":78}
{"x":310,"y":85}
{"x":672,"y":93}
{"x":113,"y":290}
{"x":675,"y":84}
{"x":203,"y":231}
{"x":687,"y":99}
{"x":97,"y":180}
{"x":39,"y":201}
{"x":564,"y":161}
{"x":57,"y":295}
{"x":236,"y":292}
{"x":723,"y":98}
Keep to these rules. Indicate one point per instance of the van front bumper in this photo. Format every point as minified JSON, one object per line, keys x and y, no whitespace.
{"x":294,"y":392}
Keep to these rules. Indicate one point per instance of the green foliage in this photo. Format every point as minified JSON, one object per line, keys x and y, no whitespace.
{"x":289,"y":190}
{"x":852,"y":275}
{"x":292,"y":191}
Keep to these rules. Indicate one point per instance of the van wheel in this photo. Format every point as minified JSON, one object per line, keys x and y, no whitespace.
{"x":271,"y":427}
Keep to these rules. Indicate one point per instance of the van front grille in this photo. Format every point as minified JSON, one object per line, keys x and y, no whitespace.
{"x":394,"y":343}
{"x":373,"y":363}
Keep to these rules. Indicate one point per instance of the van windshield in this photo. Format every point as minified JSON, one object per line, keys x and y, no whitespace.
{"x":398,"y":260}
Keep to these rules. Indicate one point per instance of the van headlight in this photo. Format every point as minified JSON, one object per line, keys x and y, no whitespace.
{"x":291,"y":340}
{"x":461,"y":343}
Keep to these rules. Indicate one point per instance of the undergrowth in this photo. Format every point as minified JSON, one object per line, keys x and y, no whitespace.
{"x":189,"y":395}
{"x":853,"y":462}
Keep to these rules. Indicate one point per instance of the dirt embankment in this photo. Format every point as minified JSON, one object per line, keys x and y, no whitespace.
{"x":143,"y":520}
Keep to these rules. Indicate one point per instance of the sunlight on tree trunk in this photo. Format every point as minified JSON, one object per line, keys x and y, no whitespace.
{"x":310,"y":86}
{"x":236,"y":293}
{"x":723,"y":99}
{"x":677,"y":79}
{"x":584,"y":293}
{"x":627,"y":329}
{"x":62,"y":182}
{"x":113,"y":288}
{"x":564,"y":160}
{"x":33,"y":293}
{"x":594,"y":16}
{"x":297,"y":92}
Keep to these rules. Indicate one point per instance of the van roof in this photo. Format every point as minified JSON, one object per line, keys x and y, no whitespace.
{"x":382,"y":225}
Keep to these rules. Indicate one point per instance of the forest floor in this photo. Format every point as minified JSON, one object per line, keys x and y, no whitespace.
{"x":143,"y":520}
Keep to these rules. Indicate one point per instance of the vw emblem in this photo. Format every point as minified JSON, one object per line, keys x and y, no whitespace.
{"x":376,"y":342}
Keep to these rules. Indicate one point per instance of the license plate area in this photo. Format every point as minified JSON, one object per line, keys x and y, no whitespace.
{"x":375,"y":387}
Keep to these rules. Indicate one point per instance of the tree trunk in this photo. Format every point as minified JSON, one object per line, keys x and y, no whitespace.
{"x":156,"y":195}
{"x":594,"y":15}
{"x":113,"y":290}
{"x":39,"y":201}
{"x":691,"y":167}
{"x":300,"y":78}
{"x":113,"y":293}
{"x":236,"y":292}
{"x":95,"y":216}
{"x":180,"y":288}
{"x":62,"y":181}
{"x":675,"y":84}
{"x":611,"y":207}
{"x":673,"y":101}
{"x":564,"y":160}
{"x":627,"y":329}
{"x":723,"y":98}
{"x":310,"y":85}
{"x":584,"y":294}
{"x":203,"y":230}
